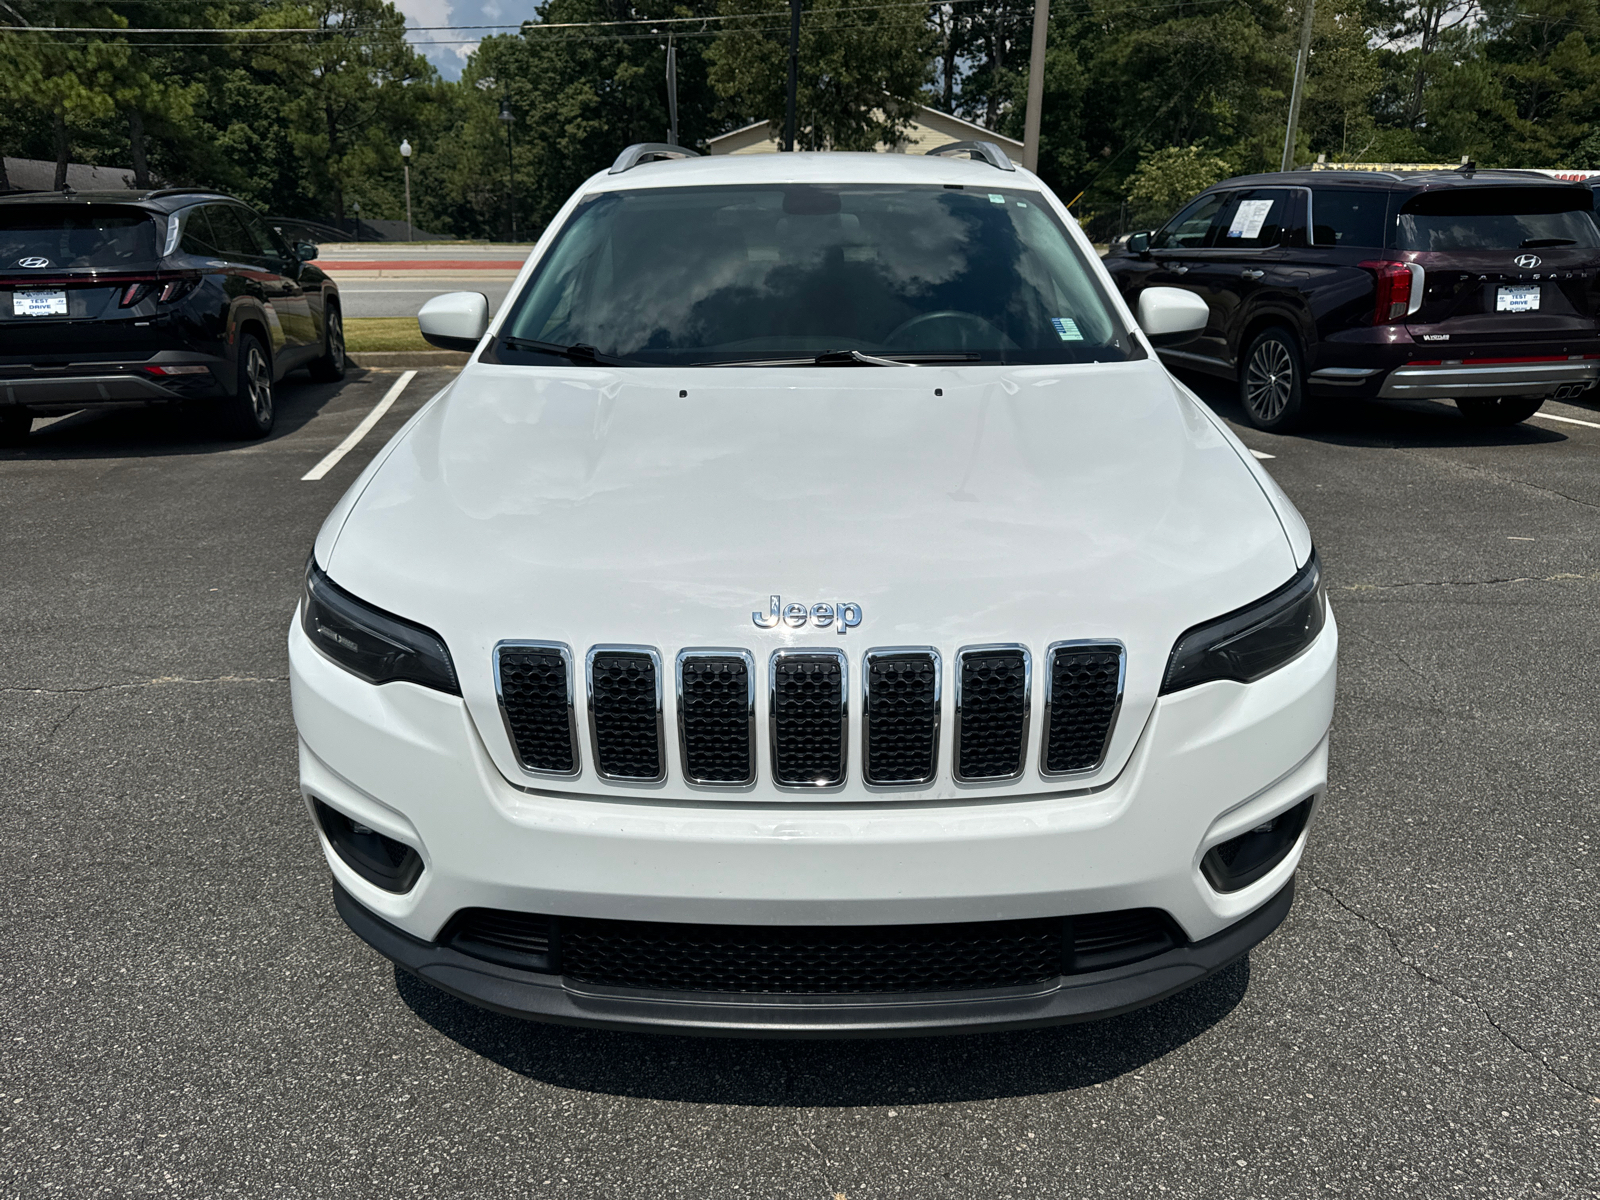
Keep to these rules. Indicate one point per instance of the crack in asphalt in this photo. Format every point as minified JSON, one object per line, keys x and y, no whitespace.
{"x":1442,"y":985}
{"x":1472,"y":468}
{"x":1562,"y":577}
{"x":159,"y":681}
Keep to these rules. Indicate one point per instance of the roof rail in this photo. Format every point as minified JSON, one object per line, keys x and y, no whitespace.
{"x":647,"y":152}
{"x":987,"y":151}
{"x":185,"y":191}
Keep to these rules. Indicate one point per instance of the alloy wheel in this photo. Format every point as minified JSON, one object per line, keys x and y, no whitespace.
{"x":1269,"y":380}
{"x":336,"y":340}
{"x":260,"y":380}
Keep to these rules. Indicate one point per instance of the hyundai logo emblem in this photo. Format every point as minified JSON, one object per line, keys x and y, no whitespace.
{"x":1527,"y":261}
{"x":34,"y":261}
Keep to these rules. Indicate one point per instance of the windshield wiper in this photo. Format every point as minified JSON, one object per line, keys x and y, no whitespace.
{"x":578,"y":352}
{"x":1535,"y":243}
{"x":847,"y":358}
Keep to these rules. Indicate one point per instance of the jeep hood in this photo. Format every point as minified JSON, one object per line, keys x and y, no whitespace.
{"x":956,"y":506}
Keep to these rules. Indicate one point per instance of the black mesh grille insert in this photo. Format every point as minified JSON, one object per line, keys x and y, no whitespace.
{"x":808,"y":744}
{"x":715,"y":715}
{"x":514,"y":938}
{"x":1109,"y":939}
{"x":1083,"y":702}
{"x":900,"y":735}
{"x":534,"y":694}
{"x":816,"y":960}
{"x":624,"y":708}
{"x":994,"y":714}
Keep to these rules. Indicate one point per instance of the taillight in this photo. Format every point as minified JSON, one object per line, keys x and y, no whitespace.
{"x":1399,"y":290}
{"x":176,"y":289}
{"x":134,"y":293}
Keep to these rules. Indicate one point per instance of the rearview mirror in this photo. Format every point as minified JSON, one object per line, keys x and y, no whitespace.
{"x":1139,"y":243}
{"x":1171,"y":316}
{"x":455,"y":320}
{"x":305,"y":251}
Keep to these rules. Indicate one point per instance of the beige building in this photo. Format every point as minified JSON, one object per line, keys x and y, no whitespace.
{"x":929,"y":129}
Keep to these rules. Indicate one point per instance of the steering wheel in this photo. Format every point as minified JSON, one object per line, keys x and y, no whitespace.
{"x":947,"y":329}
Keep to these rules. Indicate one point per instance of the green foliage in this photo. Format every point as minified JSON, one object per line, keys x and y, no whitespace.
{"x":1166,"y":179}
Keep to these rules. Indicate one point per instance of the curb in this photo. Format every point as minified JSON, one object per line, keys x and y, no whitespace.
{"x":409,"y":358}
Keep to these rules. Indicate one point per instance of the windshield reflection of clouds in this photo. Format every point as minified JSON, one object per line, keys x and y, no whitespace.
{"x":686,"y":275}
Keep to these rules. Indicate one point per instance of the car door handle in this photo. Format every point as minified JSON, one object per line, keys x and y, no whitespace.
{"x":1180,"y":270}
{"x":1247,"y":273}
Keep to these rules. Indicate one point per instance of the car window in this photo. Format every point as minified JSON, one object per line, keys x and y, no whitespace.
{"x":1253,"y":219}
{"x":233,"y":240}
{"x":1190,"y":229}
{"x":763,"y":271}
{"x":1348,"y":217}
{"x":268,"y":244}
{"x":1495,"y":218}
{"x":76,"y":235}
{"x":197,"y":237}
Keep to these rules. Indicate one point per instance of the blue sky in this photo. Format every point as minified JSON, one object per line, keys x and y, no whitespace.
{"x":449,"y":49}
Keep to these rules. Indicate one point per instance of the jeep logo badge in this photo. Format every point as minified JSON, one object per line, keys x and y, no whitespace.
{"x":843,"y":615}
{"x":1528,"y":261}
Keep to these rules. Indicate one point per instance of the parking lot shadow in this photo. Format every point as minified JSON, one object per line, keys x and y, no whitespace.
{"x":848,"y":1073}
{"x":160,"y":430}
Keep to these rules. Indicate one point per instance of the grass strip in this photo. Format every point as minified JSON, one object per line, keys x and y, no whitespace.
{"x":367,"y":334}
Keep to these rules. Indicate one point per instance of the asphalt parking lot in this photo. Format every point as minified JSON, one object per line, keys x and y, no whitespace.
{"x":184,"y":1015}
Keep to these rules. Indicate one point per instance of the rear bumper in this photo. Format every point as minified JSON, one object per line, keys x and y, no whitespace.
{"x":103,"y":384}
{"x":1490,"y":377}
{"x":545,"y":997}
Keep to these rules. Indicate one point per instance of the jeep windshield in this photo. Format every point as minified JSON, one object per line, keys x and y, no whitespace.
{"x":798,"y":274}
{"x":71,"y":236}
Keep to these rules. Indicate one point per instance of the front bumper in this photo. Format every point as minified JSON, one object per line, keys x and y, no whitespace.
{"x":545,"y":997}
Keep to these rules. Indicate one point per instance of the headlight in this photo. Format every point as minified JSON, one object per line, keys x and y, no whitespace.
{"x":1254,"y":640}
{"x":372,"y":644}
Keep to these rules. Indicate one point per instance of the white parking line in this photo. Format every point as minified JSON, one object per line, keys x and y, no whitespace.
{"x":361,"y":430}
{"x":1263,"y":454}
{"x":1566,"y":420}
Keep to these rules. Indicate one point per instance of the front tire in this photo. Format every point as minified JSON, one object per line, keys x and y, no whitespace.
{"x":331,"y":366}
{"x":15,"y":424}
{"x":1498,"y":410}
{"x":1272,"y":386}
{"x":250,"y":412}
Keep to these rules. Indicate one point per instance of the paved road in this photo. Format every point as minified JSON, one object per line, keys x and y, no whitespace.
{"x":184,"y":1015}
{"x":368,"y":297}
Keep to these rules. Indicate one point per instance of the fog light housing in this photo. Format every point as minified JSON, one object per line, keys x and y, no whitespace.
{"x":1240,"y":861}
{"x":381,"y":861}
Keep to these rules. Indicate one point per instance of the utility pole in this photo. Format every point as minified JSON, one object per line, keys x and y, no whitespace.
{"x":672,"y":92}
{"x":511,"y":168}
{"x":794,"y":72}
{"x":1301,"y":62}
{"x":1035,"y":110}
{"x":405,"y":157}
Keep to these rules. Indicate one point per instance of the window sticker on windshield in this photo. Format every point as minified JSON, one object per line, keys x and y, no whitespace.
{"x":1250,"y":217}
{"x":996,"y":198}
{"x":1022,"y":204}
{"x":1067,"y":328}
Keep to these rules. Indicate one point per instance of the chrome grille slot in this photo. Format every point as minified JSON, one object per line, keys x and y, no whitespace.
{"x":716,"y":717}
{"x":534,"y":683}
{"x":807,"y":713}
{"x":900,"y":716}
{"x":625,"y":713}
{"x":1082,"y":693}
{"x":993,"y":691}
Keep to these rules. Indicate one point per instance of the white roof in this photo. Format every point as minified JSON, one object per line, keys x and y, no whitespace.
{"x":813,"y":167}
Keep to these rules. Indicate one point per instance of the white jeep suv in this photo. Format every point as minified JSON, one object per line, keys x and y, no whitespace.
{"x":814,"y":610}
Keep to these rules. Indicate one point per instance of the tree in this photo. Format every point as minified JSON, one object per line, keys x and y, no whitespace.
{"x":1167,"y":179}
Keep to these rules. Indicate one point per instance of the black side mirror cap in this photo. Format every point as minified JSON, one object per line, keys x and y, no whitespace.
{"x":305,"y":250}
{"x":1139,"y":243}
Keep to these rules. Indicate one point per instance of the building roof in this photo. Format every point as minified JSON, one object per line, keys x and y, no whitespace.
{"x":930,"y":128}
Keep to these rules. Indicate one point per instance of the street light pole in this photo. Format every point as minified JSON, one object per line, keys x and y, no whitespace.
{"x":672,"y":92}
{"x":1301,"y":63}
{"x":405,"y":157}
{"x":794,"y":73}
{"x":358,"y":220}
{"x":511,"y":169}
{"x":1035,"y":110}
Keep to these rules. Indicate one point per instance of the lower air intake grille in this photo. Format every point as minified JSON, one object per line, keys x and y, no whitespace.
{"x":1084,"y":690}
{"x":716,"y":718}
{"x":625,"y":714}
{"x":535,"y":696}
{"x":900,"y":717}
{"x":992,"y":712}
{"x":808,"y":718}
{"x":812,"y":960}
{"x":818,"y":960}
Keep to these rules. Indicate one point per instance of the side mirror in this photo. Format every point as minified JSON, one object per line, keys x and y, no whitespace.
{"x":1171,"y":316}
{"x":305,"y":251}
{"x":1139,"y":243}
{"x":455,"y":321}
